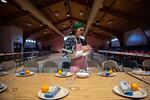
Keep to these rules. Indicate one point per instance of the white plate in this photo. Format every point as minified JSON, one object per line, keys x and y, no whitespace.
{"x":18,"y":74}
{"x":140,"y":72}
{"x":136,"y":95}
{"x":4,"y":87}
{"x":102,"y":74}
{"x":82,"y":74}
{"x":3,"y":73}
{"x":62,"y":93}
{"x":67,"y":75}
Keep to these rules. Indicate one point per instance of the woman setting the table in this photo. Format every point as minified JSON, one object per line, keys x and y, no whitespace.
{"x":76,"y":42}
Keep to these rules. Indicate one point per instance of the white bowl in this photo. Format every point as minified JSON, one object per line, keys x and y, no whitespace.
{"x":82,"y":74}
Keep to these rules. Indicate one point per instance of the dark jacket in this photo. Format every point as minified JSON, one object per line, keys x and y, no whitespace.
{"x":71,"y":41}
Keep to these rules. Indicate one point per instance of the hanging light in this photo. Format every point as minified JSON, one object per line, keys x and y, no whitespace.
{"x":97,"y":22}
{"x":109,"y":22}
{"x":28,"y":23}
{"x":45,"y":32}
{"x":56,"y":13}
{"x":68,"y":15}
{"x":63,"y":25}
{"x":4,"y":1}
{"x":41,"y":25}
{"x":71,"y":22}
{"x":81,"y":13}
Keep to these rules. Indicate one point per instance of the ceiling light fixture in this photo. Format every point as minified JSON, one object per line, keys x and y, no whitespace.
{"x":28,"y":24}
{"x":68,"y":15}
{"x":109,"y":22}
{"x":81,"y":13}
{"x":41,"y":25}
{"x":63,"y":25}
{"x":45,"y":32}
{"x":56,"y":13}
{"x":4,"y":1}
{"x":97,"y":22}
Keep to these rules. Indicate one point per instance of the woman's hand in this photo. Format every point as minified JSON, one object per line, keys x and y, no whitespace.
{"x":86,"y":48}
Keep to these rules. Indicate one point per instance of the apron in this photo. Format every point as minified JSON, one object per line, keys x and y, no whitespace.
{"x":79,"y":62}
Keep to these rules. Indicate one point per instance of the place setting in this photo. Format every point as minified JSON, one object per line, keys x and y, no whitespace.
{"x":82,"y":73}
{"x":52,"y":92}
{"x":130,"y":90}
{"x":24,"y":73}
{"x":141,"y":72}
{"x":107,"y":73}
{"x":63,"y":74}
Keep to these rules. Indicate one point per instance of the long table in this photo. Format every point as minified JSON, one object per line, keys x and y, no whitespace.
{"x":143,"y":78}
{"x":125,"y":53}
{"x":93,"y":88}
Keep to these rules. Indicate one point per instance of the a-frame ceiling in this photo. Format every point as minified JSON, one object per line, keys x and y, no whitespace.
{"x":115,"y":18}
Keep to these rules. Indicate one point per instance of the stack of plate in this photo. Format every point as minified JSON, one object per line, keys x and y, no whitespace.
{"x":3,"y":73}
{"x":3,"y":87}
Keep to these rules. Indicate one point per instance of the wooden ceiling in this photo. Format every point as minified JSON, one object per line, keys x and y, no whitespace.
{"x":115,"y":18}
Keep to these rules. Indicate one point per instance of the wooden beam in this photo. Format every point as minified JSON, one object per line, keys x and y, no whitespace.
{"x":83,"y":2}
{"x":94,"y":10}
{"x":97,"y":35}
{"x":46,"y":37}
{"x":115,"y":32}
{"x":112,"y":12}
{"x":27,"y":34}
{"x":44,"y":27}
{"x":12,"y":18}
{"x":137,"y":21}
{"x":49,"y":3}
{"x":62,"y":20}
{"x":105,"y":10}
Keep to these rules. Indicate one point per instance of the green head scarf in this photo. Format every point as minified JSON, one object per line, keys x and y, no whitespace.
{"x":77,"y":25}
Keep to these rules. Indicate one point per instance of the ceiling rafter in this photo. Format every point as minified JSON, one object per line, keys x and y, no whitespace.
{"x":45,"y":37}
{"x":35,"y":31}
{"x":113,"y":12}
{"x":112,"y":31}
{"x":49,"y":3}
{"x":105,"y":10}
{"x":14,"y":17}
{"x":117,"y":13}
{"x":110,"y":7}
{"x":120,"y":14}
{"x":100,"y":36}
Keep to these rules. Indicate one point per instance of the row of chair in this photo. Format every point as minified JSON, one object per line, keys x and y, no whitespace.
{"x":33,"y":65}
{"x":126,"y":66}
{"x":51,"y":66}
